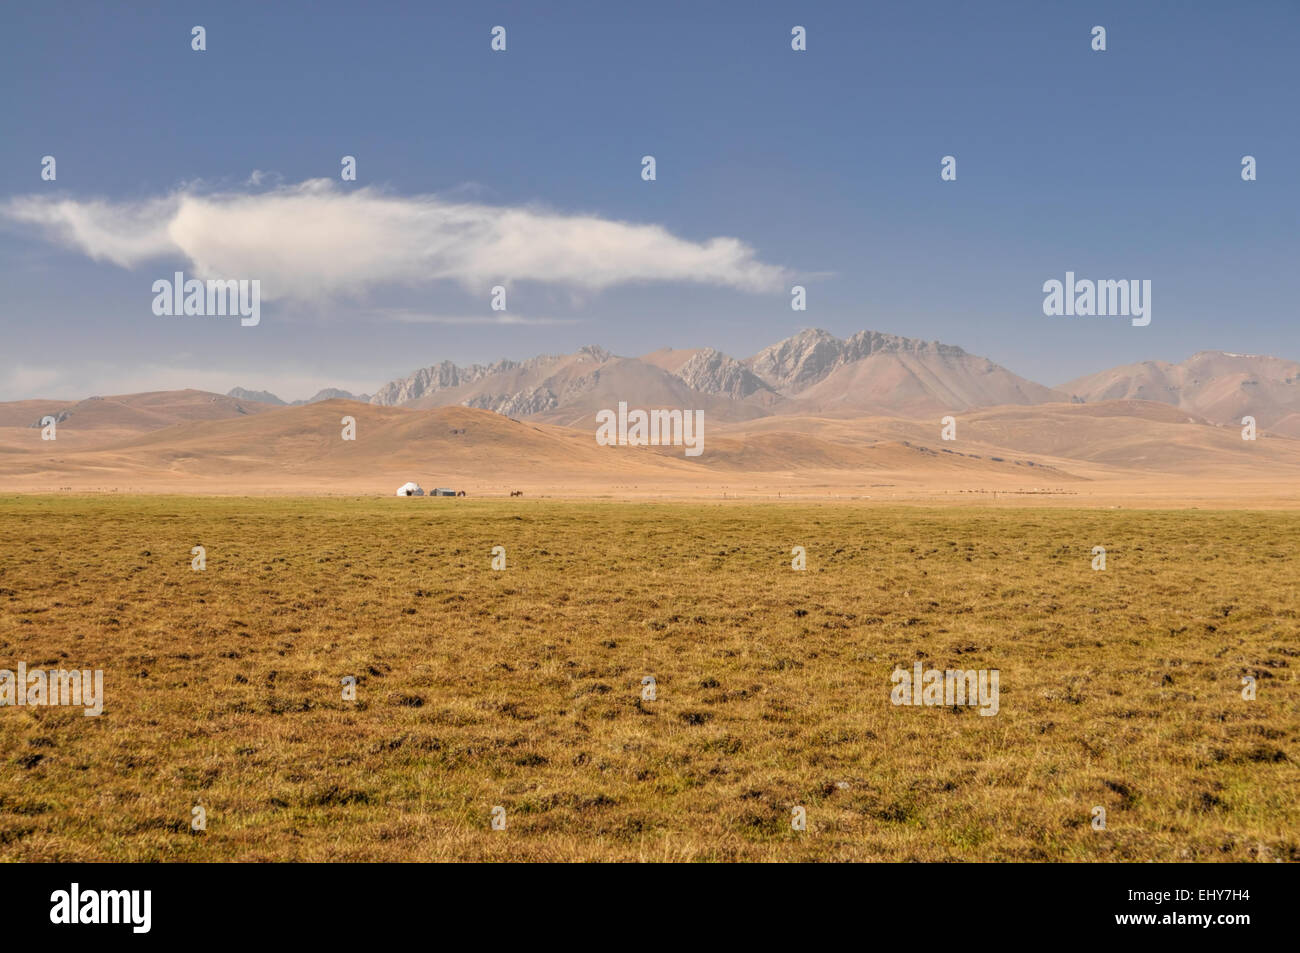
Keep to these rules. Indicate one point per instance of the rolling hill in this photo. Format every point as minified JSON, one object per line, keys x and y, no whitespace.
{"x":812,"y":415}
{"x":1217,"y":385}
{"x":1146,"y":448}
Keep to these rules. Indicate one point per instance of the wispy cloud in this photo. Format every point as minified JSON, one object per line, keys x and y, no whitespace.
{"x":400,"y":316}
{"x":260,"y":177}
{"x":316,"y":239}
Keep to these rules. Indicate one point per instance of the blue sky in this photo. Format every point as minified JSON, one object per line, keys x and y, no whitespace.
{"x":822,"y":167}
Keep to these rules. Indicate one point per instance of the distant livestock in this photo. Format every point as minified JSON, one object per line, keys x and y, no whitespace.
{"x":516,"y":492}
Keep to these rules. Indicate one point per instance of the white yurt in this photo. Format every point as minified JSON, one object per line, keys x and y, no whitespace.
{"x":410,"y":489}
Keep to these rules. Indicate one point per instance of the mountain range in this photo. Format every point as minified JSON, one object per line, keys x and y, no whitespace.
{"x":815,"y":373}
{"x":266,"y":397}
{"x":813,"y":416}
{"x":1220,"y":386}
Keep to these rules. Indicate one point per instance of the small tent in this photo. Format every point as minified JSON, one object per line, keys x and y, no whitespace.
{"x":410,"y":489}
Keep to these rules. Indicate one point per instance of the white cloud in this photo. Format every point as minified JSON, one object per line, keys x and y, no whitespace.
{"x":124,"y":234}
{"x":317,"y":239}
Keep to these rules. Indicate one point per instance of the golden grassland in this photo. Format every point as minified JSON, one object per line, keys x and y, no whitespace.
{"x":522,"y":688}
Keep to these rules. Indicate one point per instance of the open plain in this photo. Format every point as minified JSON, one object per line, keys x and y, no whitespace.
{"x":522,"y":688}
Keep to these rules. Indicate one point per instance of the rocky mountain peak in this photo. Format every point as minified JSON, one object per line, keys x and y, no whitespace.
{"x":798,"y":361}
{"x":711,"y":372}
